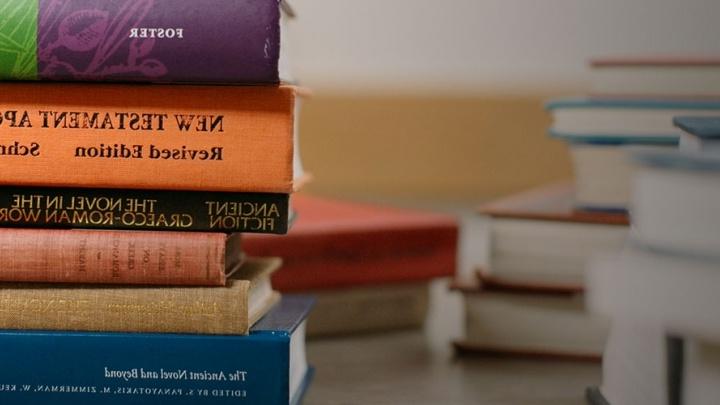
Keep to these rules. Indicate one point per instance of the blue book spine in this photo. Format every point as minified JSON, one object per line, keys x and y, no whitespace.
{"x":120,"y":368}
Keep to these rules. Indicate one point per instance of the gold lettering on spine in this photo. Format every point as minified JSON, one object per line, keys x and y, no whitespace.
{"x":249,"y":216}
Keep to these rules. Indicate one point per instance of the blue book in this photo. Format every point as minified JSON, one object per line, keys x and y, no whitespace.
{"x":621,"y":121}
{"x":678,"y":160}
{"x":267,"y":367}
{"x":699,"y":134}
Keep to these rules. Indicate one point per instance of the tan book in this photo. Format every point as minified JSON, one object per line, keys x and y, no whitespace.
{"x":230,"y":309}
{"x":367,"y":309}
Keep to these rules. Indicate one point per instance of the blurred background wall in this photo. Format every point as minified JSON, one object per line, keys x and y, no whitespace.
{"x":443,"y":100}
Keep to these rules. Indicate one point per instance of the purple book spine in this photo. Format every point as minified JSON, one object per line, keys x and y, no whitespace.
{"x":174,"y":41}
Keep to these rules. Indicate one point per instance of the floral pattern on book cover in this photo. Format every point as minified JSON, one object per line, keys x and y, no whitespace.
{"x":80,"y":41}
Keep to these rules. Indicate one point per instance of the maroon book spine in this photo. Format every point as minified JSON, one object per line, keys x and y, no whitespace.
{"x":113,"y":257}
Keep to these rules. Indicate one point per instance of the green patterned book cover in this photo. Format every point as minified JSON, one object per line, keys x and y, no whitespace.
{"x":18,"y":39}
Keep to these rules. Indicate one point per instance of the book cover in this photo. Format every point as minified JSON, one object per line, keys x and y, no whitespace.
{"x":489,"y":282}
{"x":140,"y":40}
{"x":662,"y":76}
{"x":120,"y":368}
{"x":623,"y":120}
{"x":677,"y":160}
{"x":701,"y":127}
{"x":230,"y":309}
{"x":335,"y":244}
{"x":117,"y":257}
{"x":658,"y":288}
{"x":538,"y":238}
{"x":699,"y":134}
{"x":203,"y":138}
{"x":54,"y":207}
{"x":505,"y":321}
{"x":657,"y":103}
{"x":555,"y":202}
{"x":675,"y":199}
{"x":369,"y":309}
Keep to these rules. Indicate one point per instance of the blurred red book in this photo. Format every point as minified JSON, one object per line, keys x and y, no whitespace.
{"x":335,"y":244}
{"x":369,"y":267}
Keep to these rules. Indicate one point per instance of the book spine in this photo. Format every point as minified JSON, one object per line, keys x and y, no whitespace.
{"x":207,"y":310}
{"x":140,"y":40}
{"x":143,"y":209}
{"x":118,"y":368}
{"x":332,"y":260}
{"x":203,"y":138}
{"x":115,"y":257}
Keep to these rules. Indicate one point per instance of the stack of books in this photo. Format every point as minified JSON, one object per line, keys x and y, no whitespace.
{"x":122,"y":204}
{"x":632,"y":103}
{"x":665,"y":342}
{"x":529,"y":301}
{"x":368,"y":266}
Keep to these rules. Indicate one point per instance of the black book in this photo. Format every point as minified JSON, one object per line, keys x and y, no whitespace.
{"x":144,"y":209}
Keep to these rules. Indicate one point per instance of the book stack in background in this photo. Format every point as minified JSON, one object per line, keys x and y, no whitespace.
{"x":661,"y":290}
{"x":529,"y":300}
{"x":632,"y":103}
{"x":122,"y":204}
{"x":368,"y":266}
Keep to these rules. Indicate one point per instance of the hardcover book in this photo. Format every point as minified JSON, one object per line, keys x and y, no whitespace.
{"x":664,"y":289}
{"x":656,"y":75}
{"x":336,"y":244}
{"x":369,"y":266}
{"x":621,"y":121}
{"x":267,"y":367}
{"x":140,"y":40}
{"x":699,"y":134}
{"x":47,"y":207}
{"x":368,"y":309}
{"x":203,"y":138}
{"x":603,"y":175}
{"x":230,"y":309}
{"x":531,"y":322}
{"x":674,"y":202}
{"x":118,"y":257}
{"x":537,"y":237}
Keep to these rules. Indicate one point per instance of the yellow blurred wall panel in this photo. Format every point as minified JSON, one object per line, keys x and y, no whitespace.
{"x":445,"y":148}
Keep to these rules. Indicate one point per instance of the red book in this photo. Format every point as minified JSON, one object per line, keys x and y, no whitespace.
{"x":117,"y":257}
{"x":335,"y":244}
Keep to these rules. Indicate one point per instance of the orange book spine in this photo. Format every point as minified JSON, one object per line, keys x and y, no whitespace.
{"x":115,"y":257}
{"x":207,"y":138}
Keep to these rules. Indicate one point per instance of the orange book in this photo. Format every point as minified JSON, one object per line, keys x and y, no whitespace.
{"x":212,"y":138}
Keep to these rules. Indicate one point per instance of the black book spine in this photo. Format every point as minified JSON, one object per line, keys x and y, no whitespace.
{"x":144,"y":210}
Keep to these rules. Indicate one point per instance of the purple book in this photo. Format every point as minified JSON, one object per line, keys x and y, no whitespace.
{"x":198,"y":41}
